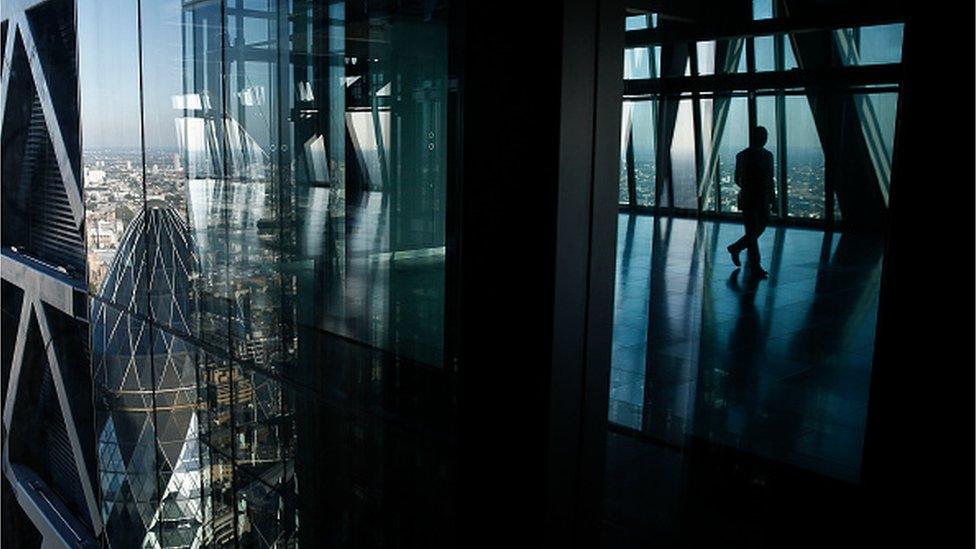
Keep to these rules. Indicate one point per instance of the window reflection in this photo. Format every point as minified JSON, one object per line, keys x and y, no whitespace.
{"x":292,"y":232}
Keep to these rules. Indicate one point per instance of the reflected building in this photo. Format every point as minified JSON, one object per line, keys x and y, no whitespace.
{"x":145,"y":379}
{"x":322,"y":273}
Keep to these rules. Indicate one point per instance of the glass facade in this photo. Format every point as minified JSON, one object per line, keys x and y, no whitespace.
{"x":703,"y":118}
{"x":266,"y":192}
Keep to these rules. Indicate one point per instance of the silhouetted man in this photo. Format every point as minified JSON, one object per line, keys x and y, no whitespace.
{"x":754,"y":177}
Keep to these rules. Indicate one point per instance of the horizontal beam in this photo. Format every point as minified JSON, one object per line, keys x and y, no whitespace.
{"x":39,"y":279}
{"x":809,"y":80}
{"x":726,"y":29}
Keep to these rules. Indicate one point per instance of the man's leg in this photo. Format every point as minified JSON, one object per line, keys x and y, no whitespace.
{"x":755,"y":227}
{"x":742,"y":243}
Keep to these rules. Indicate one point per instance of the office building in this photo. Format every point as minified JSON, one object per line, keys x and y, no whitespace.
{"x":323,"y":273}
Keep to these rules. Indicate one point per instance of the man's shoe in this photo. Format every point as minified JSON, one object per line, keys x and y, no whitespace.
{"x":758,"y":272}
{"x":735,"y":256}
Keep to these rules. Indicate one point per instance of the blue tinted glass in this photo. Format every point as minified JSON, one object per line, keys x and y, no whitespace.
{"x":765,"y":53}
{"x":880,"y":44}
{"x":636,"y":22}
{"x":762,"y":9}
{"x":638,"y":63}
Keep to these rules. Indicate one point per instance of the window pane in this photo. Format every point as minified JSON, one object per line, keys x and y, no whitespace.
{"x":108,"y":65}
{"x":645,"y":126}
{"x":706,"y":57}
{"x":683,"y":174}
{"x":636,"y":22}
{"x":721,"y":57}
{"x":876,"y":115}
{"x":638,"y":131}
{"x":762,"y":9}
{"x":789,"y":56}
{"x":870,"y":45}
{"x":765,"y":53}
{"x":766,"y":117}
{"x":638,"y":63}
{"x":625,"y":137}
{"x":725,"y":135}
{"x":804,"y":161}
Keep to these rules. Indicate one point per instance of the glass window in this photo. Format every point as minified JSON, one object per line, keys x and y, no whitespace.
{"x":636,"y":22}
{"x":625,"y":142}
{"x":739,"y":45}
{"x":765,"y":53}
{"x":108,"y":66}
{"x":725,"y":132}
{"x":877,"y":113}
{"x":804,"y":161}
{"x":639,"y":63}
{"x":644,"y":124}
{"x":721,"y":57}
{"x":706,"y":57}
{"x":255,"y":184}
{"x":172,"y":112}
{"x":683,"y":174}
{"x":762,"y":9}
{"x":766,"y":47}
{"x":789,"y":56}
{"x":766,"y":117}
{"x":878,"y":44}
{"x":126,"y":423}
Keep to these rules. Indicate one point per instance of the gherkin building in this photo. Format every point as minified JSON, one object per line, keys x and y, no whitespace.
{"x":145,"y":388}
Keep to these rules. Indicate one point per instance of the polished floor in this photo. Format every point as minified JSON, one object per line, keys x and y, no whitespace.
{"x":737,"y":405}
{"x":778,"y":368}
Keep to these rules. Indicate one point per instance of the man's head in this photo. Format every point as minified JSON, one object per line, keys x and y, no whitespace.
{"x":758,"y":136}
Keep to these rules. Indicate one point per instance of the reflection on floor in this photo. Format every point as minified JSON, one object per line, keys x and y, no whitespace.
{"x":777,"y":369}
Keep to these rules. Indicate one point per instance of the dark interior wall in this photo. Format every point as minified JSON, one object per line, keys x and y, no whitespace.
{"x":510,"y":172}
{"x":918,"y":461}
{"x":532,"y":149}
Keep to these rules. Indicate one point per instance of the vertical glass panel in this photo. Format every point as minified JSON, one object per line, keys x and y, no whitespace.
{"x":626,"y":154}
{"x":180,"y":513}
{"x":789,"y":55}
{"x":721,"y":57}
{"x":765,"y":53}
{"x":126,"y":426}
{"x":877,"y":113}
{"x":885,"y":107}
{"x":804,"y":161}
{"x":371,"y":176}
{"x":170,"y":101}
{"x":762,"y":9}
{"x":706,"y":57}
{"x":683,"y":175}
{"x":638,"y":133}
{"x":644,"y":120}
{"x":766,"y":117}
{"x":108,"y":66}
{"x":725,"y":132}
{"x":737,"y":49}
{"x":257,"y":179}
{"x":640,"y":63}
{"x":264,"y":449}
{"x":196,"y":113}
